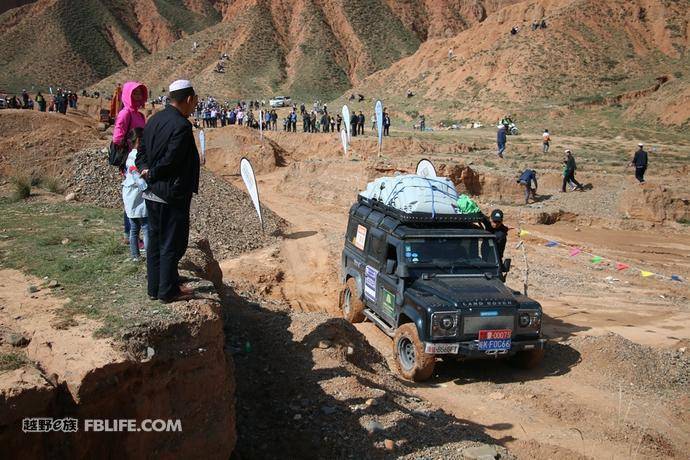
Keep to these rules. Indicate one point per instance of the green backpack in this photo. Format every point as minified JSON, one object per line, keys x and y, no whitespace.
{"x":466,"y":205}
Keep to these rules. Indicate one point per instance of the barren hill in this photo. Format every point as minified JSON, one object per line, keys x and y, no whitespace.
{"x":591,"y":53}
{"x":62,"y":42}
{"x":304,"y":47}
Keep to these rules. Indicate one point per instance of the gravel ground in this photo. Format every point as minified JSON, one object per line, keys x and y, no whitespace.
{"x":221,"y":212}
{"x":310,"y":386}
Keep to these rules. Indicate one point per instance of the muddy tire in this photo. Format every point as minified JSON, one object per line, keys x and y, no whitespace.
{"x":528,"y":359}
{"x":351,"y":305}
{"x":413,"y":364}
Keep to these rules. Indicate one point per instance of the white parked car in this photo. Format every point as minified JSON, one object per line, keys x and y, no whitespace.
{"x":280,"y":101}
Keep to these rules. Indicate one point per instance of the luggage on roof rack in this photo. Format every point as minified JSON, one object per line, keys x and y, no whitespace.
{"x":411,"y":193}
{"x":420,"y":217}
{"x":412,"y":198}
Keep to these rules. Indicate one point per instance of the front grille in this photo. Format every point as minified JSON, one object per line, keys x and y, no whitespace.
{"x":474,"y":324}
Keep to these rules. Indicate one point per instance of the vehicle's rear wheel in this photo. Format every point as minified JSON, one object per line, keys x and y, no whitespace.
{"x":528,"y":359}
{"x":352,"y":305}
{"x":514,"y":131}
{"x":413,"y":363}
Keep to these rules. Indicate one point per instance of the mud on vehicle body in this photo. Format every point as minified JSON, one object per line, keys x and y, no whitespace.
{"x":435,"y":285}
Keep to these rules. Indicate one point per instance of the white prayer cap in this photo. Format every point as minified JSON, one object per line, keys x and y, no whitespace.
{"x":640,"y":144}
{"x":180,"y":84}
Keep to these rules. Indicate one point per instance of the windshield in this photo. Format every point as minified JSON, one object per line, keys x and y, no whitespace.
{"x":452,"y":253}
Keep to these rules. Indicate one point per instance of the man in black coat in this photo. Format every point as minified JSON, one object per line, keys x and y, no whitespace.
{"x":169,"y":161}
{"x":640,"y":162}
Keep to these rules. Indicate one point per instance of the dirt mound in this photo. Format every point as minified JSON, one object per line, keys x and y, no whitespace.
{"x":655,"y":203}
{"x":226,"y":148}
{"x":632,"y":366}
{"x":221,"y":211}
{"x":42,"y":143}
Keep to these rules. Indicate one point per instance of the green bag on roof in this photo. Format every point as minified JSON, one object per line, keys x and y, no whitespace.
{"x":466,"y":205}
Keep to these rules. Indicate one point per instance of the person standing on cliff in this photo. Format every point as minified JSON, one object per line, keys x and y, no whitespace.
{"x":640,"y":162}
{"x":169,"y":161}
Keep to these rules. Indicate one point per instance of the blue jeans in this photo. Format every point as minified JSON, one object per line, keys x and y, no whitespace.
{"x":501,"y":148}
{"x":135,"y":225}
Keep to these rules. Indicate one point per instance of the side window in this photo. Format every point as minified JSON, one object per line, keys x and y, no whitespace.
{"x":391,"y":252}
{"x":376,"y":248}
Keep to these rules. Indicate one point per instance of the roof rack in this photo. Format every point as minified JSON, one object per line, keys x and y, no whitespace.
{"x":421,"y":217}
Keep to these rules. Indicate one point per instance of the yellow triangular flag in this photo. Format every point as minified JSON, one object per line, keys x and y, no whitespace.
{"x":645,"y":274}
{"x":523,"y":233}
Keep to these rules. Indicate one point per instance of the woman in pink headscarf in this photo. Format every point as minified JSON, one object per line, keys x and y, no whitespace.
{"x":134,"y":96}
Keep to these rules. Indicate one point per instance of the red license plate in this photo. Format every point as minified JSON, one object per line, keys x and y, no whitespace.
{"x":498,"y":334}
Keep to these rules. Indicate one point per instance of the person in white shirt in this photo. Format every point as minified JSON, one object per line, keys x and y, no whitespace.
{"x":133,"y":187}
{"x":547,"y":140}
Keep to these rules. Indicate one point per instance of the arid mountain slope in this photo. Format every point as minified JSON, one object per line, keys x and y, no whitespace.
{"x":304,"y":47}
{"x":591,"y":52}
{"x":67,"y":43}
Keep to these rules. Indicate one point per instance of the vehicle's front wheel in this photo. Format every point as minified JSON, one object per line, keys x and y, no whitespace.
{"x":352,"y":305}
{"x":413,"y":363}
{"x":514,"y":131}
{"x":527,"y":359}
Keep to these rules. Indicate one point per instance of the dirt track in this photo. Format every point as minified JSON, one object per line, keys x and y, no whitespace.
{"x":593,"y":395}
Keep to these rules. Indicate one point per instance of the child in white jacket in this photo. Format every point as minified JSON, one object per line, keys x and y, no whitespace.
{"x":133,"y":187}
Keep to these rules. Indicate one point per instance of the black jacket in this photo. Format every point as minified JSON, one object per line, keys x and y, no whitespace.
{"x":169,"y":152}
{"x":640,"y":160}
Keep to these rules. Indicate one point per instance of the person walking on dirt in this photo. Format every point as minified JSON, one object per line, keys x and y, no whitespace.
{"x":501,"y":138}
{"x":640,"y":161}
{"x":546,"y":140}
{"x":169,"y":161}
{"x":422,"y":123}
{"x":569,"y":168}
{"x":526,"y":178}
{"x":338,"y":121}
{"x":360,"y":123}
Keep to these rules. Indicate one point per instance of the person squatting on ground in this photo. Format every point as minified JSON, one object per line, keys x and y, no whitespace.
{"x":134,"y":95}
{"x":569,"y":168}
{"x":133,"y":187}
{"x":640,"y":161}
{"x":547,"y":140}
{"x":169,"y":161}
{"x":526,"y":178}
{"x":501,"y":138}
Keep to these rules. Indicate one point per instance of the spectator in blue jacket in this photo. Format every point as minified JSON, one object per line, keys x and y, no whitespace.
{"x":526,"y":178}
{"x":501,"y":138}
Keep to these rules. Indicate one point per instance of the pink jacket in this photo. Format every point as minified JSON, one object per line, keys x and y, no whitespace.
{"x":129,"y":117}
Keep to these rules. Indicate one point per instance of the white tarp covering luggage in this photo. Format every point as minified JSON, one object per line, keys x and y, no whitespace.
{"x":411,"y":193}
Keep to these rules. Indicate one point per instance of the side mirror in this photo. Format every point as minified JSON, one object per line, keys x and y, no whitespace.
{"x":390,"y":266}
{"x":506,"y":265}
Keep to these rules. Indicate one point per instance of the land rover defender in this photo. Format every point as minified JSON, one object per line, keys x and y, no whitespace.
{"x":434,"y":283}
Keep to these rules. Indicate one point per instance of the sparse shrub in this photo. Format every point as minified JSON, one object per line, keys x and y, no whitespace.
{"x":678,"y":74}
{"x":684,"y":221}
{"x":52,"y":184}
{"x":412,"y":113}
{"x":22,"y":187}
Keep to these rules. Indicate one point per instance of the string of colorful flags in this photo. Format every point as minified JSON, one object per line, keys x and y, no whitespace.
{"x":574,"y":251}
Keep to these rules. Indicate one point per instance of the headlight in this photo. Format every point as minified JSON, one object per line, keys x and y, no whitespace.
{"x":444,"y":324}
{"x":530,"y":319}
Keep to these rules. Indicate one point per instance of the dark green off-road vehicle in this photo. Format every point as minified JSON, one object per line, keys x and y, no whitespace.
{"x":435,"y":285}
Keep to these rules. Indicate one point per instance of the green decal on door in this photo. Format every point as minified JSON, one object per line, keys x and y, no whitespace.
{"x":389,"y":303}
